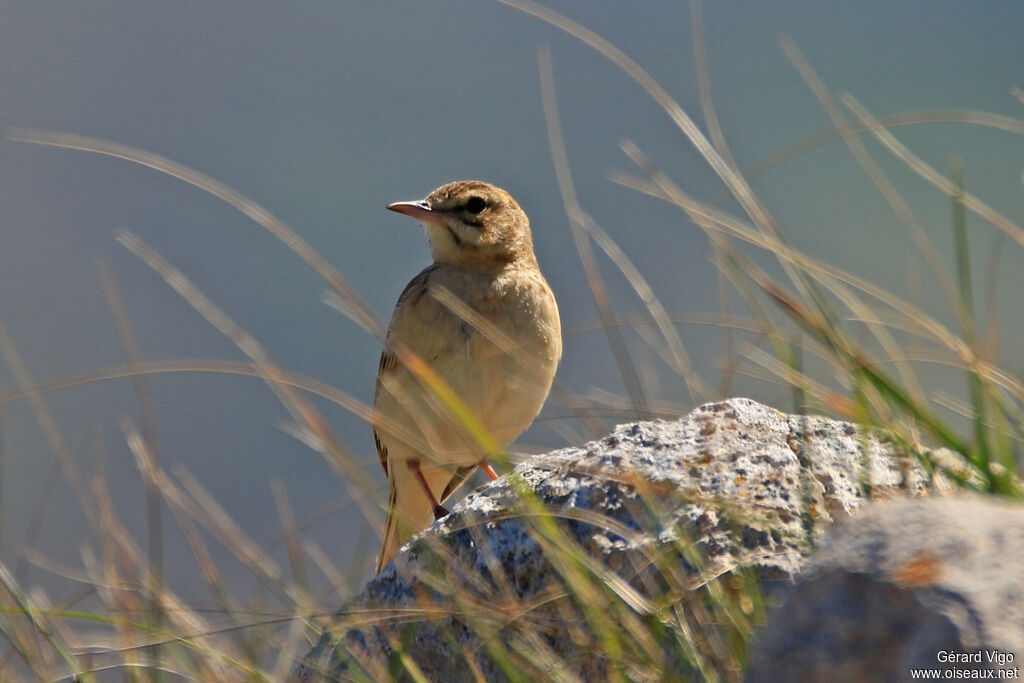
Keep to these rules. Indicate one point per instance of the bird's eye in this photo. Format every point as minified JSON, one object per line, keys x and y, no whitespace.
{"x":475,"y":205}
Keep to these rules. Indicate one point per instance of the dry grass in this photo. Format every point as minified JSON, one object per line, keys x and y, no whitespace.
{"x":816,"y":315}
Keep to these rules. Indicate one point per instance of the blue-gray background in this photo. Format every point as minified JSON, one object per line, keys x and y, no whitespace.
{"x":326,"y":111}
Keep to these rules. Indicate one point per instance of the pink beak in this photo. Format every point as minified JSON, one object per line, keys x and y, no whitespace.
{"x":418,"y":210}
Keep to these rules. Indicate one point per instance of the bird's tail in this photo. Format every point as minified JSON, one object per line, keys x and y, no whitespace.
{"x":410,"y":510}
{"x":392,"y":540}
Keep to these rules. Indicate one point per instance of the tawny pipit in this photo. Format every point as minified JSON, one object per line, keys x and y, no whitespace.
{"x":484,"y":321}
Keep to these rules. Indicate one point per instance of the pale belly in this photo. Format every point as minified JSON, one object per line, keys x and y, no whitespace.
{"x":503,"y":388}
{"x":500,"y":393}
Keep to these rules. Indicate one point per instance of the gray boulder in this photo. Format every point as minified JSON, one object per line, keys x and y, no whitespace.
{"x":925,"y":585}
{"x":744,"y":485}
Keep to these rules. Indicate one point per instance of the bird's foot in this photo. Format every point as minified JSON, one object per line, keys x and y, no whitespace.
{"x":488,"y":470}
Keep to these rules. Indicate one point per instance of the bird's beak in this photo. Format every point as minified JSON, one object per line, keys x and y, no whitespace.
{"x":419,"y":210}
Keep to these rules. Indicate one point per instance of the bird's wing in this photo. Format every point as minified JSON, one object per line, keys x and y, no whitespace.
{"x":410,"y":310}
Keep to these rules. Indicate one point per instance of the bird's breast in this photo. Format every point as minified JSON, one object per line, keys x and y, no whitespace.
{"x":495,"y":340}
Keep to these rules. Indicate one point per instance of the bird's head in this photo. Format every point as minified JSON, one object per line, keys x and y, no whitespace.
{"x":471,"y":223}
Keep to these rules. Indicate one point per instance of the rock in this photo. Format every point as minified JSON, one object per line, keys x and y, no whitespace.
{"x":901,"y":586}
{"x":733,"y":484}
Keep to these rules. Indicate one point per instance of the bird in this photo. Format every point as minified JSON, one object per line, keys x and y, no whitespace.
{"x":483,"y":320}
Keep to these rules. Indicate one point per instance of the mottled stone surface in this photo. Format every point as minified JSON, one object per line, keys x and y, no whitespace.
{"x":898,"y":584}
{"x":748,"y":485}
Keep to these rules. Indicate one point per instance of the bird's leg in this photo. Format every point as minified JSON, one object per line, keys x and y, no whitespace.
{"x":439,"y":510}
{"x":488,"y":470}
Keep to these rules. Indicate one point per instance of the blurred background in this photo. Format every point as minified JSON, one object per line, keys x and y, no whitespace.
{"x":324,"y":112}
